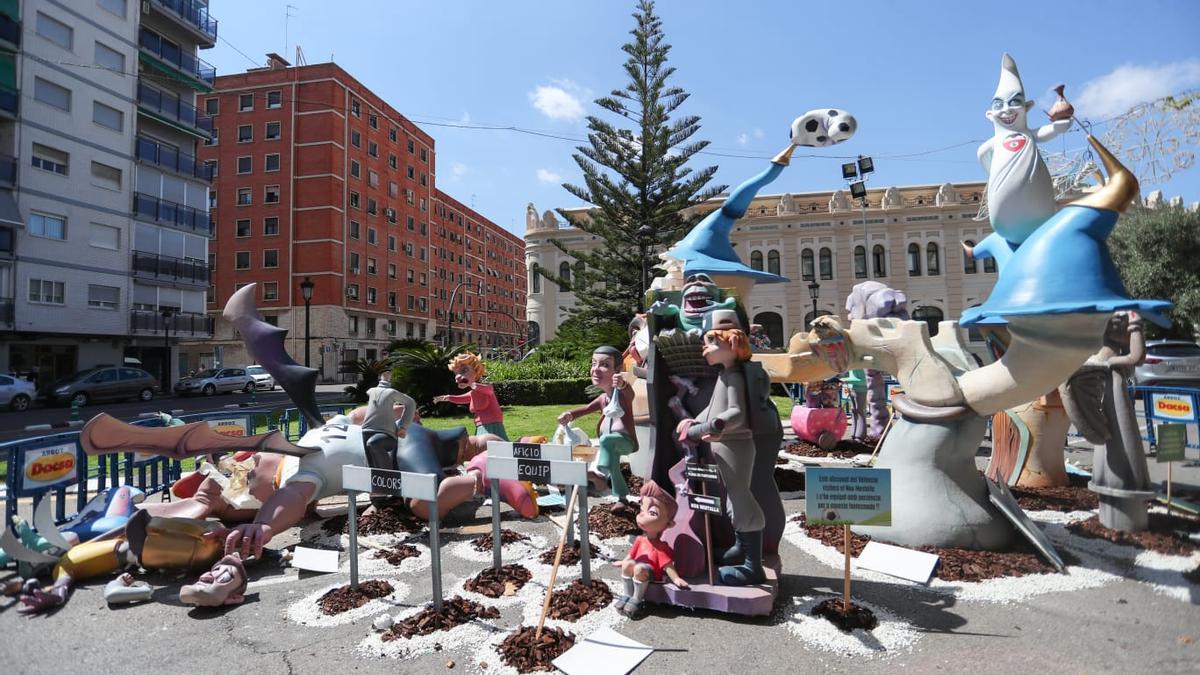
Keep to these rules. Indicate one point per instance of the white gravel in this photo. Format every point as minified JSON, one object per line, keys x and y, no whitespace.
{"x":450,"y":641}
{"x":306,"y":612}
{"x":891,"y":637}
{"x":518,"y":551}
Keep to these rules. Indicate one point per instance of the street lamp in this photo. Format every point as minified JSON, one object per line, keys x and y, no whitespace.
{"x":814,"y":292}
{"x":167,"y":313}
{"x":450,"y":312}
{"x":644,"y":233}
{"x":306,"y":290}
{"x":856,"y":173}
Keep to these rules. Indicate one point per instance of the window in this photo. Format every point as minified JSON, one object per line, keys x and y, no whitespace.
{"x":271,"y":194}
{"x":372,"y":148}
{"x":212,"y":106}
{"x":989,"y":265}
{"x":391,"y":271}
{"x":49,"y":159}
{"x":969,"y":265}
{"x":274,"y":100}
{"x":356,"y":139}
{"x":825,"y":261}
{"x":272,"y":162}
{"x":270,"y":258}
{"x":245,"y":133}
{"x":107,"y":116}
{"x":104,"y":236}
{"x":244,"y":197}
{"x":354,"y":200}
{"x":424,"y":279}
{"x":51,"y":94}
{"x":372,"y":179}
{"x":55,"y":31}
{"x":241,"y":260}
{"x":773,"y":261}
{"x":412,"y":171}
{"x":392,"y":134}
{"x":806,"y":265}
{"x":211,"y":166}
{"x":860,"y":262}
{"x":391,"y":299}
{"x":535,"y":278}
{"x":932,"y":262}
{"x":424,"y":155}
{"x":114,"y":6}
{"x":353,"y":320}
{"x":408,"y":275}
{"x":103,"y":297}
{"x":271,"y":226}
{"x":47,"y":292}
{"x":355,"y":108}
{"x":245,"y":164}
{"x":879,"y":260}
{"x":212,"y":200}
{"x":242,"y":228}
{"x":270,"y":290}
{"x":391,"y":214}
{"x":423,"y":228}
{"x":245,"y":102}
{"x":107,"y":57}
{"x":391,"y":243}
{"x":372,"y":237}
{"x":914,"y":260}
{"x":423,"y":303}
{"x":212,"y":140}
{"x":372,"y":206}
{"x":355,"y":169}
{"x":373,"y":121}
{"x":353,"y":263}
{"x":424,"y":178}
{"x":354,"y":229}
{"x":411,"y":302}
{"x":352,"y":292}
{"x":371,"y":265}
{"x":105,"y":176}
{"x":564,"y":274}
{"x":48,"y":226}
{"x":410,"y":223}
{"x":393,"y":189}
{"x":932,"y":316}
{"x":371,"y":299}
{"x":273,"y":131}
{"x":392,"y":161}
{"x":410,"y":146}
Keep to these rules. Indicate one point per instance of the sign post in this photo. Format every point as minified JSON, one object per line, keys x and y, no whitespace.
{"x":1171,"y":440}
{"x":848,"y":497}
{"x":705,"y":473}
{"x":421,"y":486}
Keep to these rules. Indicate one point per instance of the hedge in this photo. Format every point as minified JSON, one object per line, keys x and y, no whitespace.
{"x":543,"y":392}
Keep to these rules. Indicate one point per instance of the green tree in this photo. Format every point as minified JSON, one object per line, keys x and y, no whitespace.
{"x":636,"y":180}
{"x":423,"y":371}
{"x":1156,"y":251}
{"x":368,"y":372}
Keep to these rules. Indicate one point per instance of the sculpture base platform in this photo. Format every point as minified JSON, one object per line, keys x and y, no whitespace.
{"x":746,"y":600}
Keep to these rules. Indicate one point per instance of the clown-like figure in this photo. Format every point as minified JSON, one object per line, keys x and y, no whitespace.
{"x":1020,"y":193}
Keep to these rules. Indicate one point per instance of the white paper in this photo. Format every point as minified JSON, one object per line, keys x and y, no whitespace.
{"x":605,"y":652}
{"x":898,"y":562}
{"x":315,"y":559}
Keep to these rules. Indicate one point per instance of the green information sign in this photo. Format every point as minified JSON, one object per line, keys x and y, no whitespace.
{"x":1171,"y":440}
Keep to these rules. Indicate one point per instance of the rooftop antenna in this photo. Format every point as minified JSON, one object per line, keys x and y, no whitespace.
{"x":287,"y":15}
{"x":300,"y":60}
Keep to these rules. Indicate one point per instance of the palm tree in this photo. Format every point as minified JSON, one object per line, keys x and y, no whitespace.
{"x":423,"y":371}
{"x":368,"y":372}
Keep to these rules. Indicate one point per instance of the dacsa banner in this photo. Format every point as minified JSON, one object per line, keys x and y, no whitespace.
{"x":1173,"y":407}
{"x":229,"y":426}
{"x":47,"y":467}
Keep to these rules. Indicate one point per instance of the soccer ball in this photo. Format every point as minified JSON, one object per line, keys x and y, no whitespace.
{"x":822,"y":128}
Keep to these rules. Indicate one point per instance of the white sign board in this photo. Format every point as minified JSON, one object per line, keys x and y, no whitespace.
{"x":898,"y":562}
{"x":559,"y":453}
{"x":605,"y":652}
{"x":421,"y":486}
{"x":537,"y":471}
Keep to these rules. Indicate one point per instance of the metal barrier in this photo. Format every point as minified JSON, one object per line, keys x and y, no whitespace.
{"x":54,"y":464}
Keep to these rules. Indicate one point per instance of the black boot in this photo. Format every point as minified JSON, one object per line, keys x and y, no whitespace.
{"x":750,"y":572}
{"x":732,"y":555}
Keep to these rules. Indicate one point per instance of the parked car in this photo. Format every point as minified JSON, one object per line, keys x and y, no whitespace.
{"x":16,"y":393}
{"x":103,"y":382}
{"x":209,"y":382}
{"x":262,"y":379}
{"x":1170,"y":363}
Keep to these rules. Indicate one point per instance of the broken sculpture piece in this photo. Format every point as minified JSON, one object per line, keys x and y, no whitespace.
{"x":224,"y":584}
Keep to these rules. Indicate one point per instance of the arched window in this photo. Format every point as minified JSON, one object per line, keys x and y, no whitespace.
{"x":772,"y":325}
{"x":914,"y":260}
{"x":535,"y":278}
{"x":930,"y":315}
{"x":989,"y":265}
{"x":825,"y":260}
{"x":969,"y":266}
{"x":879,"y":260}
{"x":810,"y":317}
{"x":806,"y":265}
{"x":564,"y":275}
{"x":860,"y":262}
{"x":773,"y":261}
{"x":756,"y":260}
{"x":933,"y":265}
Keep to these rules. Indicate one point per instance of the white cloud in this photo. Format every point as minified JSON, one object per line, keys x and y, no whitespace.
{"x":559,"y":100}
{"x":547,"y":176}
{"x":466,"y":118}
{"x":1130,"y":84}
{"x":759,"y":133}
{"x":458,"y":170}
{"x":743,"y":139}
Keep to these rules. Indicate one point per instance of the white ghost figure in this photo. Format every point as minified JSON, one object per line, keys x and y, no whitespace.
{"x":823,"y":127}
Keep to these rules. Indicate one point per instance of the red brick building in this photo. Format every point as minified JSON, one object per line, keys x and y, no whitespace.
{"x":317,"y":177}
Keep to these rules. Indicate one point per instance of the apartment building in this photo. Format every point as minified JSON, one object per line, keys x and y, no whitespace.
{"x":319,"y":181}
{"x":103,"y":226}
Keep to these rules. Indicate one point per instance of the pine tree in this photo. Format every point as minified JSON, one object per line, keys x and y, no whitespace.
{"x":1155,"y":250}
{"x":636,"y":181}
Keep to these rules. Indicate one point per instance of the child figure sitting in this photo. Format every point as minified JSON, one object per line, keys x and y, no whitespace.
{"x":650,"y":558}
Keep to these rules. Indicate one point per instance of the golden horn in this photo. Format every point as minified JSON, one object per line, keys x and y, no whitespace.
{"x":1120,"y":189}
{"x":784,"y":157}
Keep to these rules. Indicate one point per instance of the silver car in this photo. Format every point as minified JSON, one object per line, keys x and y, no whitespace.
{"x":16,"y":393}
{"x":262,"y":379}
{"x":1170,"y":363}
{"x":209,"y":382}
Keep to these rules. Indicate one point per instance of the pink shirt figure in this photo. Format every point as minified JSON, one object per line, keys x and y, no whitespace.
{"x":483,"y":402}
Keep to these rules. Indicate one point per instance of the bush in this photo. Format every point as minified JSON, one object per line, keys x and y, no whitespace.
{"x":368,"y":373}
{"x":545,"y":369}
{"x":543,"y":392}
{"x":423,"y":372}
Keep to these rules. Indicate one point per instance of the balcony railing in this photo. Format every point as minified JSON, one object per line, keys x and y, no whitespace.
{"x":152,"y":265}
{"x":172,"y":54}
{"x":170,"y":213}
{"x":168,"y":157}
{"x":6,"y":311}
{"x":194,"y":13}
{"x":172,"y":107}
{"x":8,"y":171}
{"x":180,"y":323}
{"x":9,"y":100}
{"x":10,"y":30}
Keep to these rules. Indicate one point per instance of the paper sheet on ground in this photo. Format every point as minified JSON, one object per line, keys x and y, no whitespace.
{"x":898,"y":562}
{"x":315,"y":559}
{"x":605,"y":652}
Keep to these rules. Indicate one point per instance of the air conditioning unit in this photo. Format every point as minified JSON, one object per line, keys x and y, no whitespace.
{"x":351,"y":292}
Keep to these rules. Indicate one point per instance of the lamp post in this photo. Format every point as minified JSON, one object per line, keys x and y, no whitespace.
{"x":167,"y":313}
{"x":856,"y":173}
{"x":644,"y":233}
{"x":450,"y":314}
{"x":814,"y":292}
{"x":306,"y":291}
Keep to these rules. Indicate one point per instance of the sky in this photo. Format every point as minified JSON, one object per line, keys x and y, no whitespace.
{"x":918,"y":77}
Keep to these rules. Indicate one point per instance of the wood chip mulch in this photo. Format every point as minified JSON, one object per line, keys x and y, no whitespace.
{"x":455,"y":612}
{"x":391,"y":519}
{"x":858,"y":617}
{"x":1164,"y":535}
{"x":1067,"y":498}
{"x":398,"y":554}
{"x":846,"y":448}
{"x":634,"y":482}
{"x":789,"y":481}
{"x":494,"y":584}
{"x":507,"y":537}
{"x":521,"y":651}
{"x":571,"y":602}
{"x":605,"y":524}
{"x":570,"y":554}
{"x":831,"y":535}
{"x":344,"y":599}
